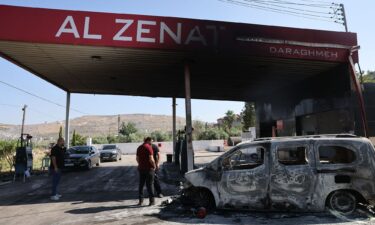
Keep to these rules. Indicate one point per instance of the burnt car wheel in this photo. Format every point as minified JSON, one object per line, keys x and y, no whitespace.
{"x":201,"y":198}
{"x":343,"y":202}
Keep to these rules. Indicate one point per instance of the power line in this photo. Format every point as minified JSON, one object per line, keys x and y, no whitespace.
{"x":41,"y":98}
{"x":279,"y":10}
{"x":282,"y":6}
{"x":32,"y":109}
{"x":326,"y":5}
{"x":276,"y":4}
{"x":274,"y":10}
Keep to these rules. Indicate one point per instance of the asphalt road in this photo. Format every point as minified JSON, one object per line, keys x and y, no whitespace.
{"x":108,"y":195}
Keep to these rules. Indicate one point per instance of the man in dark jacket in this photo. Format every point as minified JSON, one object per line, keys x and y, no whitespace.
{"x":156,"y":155}
{"x":146,"y":169}
{"x":57,"y":164}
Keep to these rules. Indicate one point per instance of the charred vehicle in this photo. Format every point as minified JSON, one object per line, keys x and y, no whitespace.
{"x":306,"y":173}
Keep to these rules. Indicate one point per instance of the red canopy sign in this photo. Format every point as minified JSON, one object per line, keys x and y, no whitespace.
{"x":136,"y":31}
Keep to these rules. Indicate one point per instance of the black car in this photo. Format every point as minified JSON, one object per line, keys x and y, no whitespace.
{"x":81,"y":157}
{"x":110,"y":153}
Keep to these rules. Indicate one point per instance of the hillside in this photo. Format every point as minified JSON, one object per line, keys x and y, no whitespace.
{"x":93,"y":126}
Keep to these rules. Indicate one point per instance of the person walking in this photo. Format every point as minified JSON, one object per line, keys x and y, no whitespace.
{"x":146,"y":169}
{"x":57,"y":164}
{"x":156,"y":156}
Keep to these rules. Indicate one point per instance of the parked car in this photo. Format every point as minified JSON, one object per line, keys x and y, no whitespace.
{"x":110,"y":153}
{"x":294,"y":173}
{"x":81,"y":157}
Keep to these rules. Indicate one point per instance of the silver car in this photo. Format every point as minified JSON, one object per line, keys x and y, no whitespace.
{"x":296,"y":173}
{"x":110,"y":153}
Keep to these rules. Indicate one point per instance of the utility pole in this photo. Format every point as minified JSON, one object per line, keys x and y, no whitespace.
{"x":344,"y":17}
{"x":118,"y":124}
{"x":23,"y":123}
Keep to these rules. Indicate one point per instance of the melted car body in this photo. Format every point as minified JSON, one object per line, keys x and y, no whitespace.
{"x":296,"y":173}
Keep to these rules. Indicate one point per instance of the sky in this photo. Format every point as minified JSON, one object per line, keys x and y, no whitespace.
{"x":38,"y":111}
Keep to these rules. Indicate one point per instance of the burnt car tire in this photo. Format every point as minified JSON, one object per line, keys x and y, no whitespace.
{"x":202,"y":198}
{"x":343,"y":202}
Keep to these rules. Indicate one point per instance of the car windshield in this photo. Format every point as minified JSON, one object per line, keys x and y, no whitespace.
{"x":79,"y":150}
{"x":109,"y":147}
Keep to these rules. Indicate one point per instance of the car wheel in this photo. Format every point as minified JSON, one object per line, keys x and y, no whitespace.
{"x":343,"y":202}
{"x":202,"y":198}
{"x":98,"y":163}
{"x":89,"y":165}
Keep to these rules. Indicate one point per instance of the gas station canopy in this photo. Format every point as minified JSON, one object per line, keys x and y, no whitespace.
{"x":104,"y":53}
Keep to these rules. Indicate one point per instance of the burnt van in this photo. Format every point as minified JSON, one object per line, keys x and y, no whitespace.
{"x":307,"y":173}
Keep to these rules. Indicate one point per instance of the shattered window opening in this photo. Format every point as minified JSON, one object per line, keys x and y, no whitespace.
{"x":333,"y":154}
{"x":292,"y":155}
{"x":246,"y":158}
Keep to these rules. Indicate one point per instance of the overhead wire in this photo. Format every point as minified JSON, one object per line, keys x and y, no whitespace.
{"x":330,"y":13}
{"x":327,"y":5}
{"x":41,"y":98}
{"x":31,"y":109}
{"x":287,"y":7}
{"x":275,"y":10}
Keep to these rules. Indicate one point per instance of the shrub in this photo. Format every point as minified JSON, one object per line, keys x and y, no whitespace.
{"x":7,"y":151}
{"x":161,"y":136}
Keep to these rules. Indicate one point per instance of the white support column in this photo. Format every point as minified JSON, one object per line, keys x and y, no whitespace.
{"x":67,"y":119}
{"x":189,"y":138}
{"x":174,"y":124}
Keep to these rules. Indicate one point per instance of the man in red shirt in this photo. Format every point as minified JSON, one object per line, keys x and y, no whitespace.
{"x":146,"y":169}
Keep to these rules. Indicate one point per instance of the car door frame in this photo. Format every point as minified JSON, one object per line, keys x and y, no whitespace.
{"x":292,"y":187}
{"x":255,"y":197}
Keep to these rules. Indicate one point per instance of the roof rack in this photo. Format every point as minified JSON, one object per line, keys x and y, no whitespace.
{"x":343,"y":135}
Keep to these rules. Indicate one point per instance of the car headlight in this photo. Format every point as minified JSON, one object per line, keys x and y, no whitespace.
{"x":114,"y":152}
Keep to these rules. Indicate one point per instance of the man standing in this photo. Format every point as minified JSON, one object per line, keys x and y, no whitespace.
{"x":57,"y":164}
{"x":156,"y":178}
{"x":146,"y":169}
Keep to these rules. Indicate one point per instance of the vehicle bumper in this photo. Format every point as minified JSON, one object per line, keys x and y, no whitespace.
{"x":108,"y":158}
{"x":76,"y":164}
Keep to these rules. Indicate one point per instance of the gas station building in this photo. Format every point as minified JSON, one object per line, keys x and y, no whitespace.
{"x":302,"y":81}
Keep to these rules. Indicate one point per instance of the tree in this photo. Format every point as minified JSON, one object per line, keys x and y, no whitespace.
{"x":111,"y":139}
{"x":369,"y":77}
{"x":213,"y":134}
{"x":60,"y":132}
{"x":128,"y":128}
{"x":74,"y":138}
{"x":199,"y":127}
{"x":160,"y":136}
{"x":78,"y":139}
{"x":7,"y":151}
{"x":228,"y":120}
{"x":248,"y":116}
{"x":99,"y":140}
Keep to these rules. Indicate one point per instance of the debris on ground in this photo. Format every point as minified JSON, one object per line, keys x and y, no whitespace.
{"x":199,"y":212}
